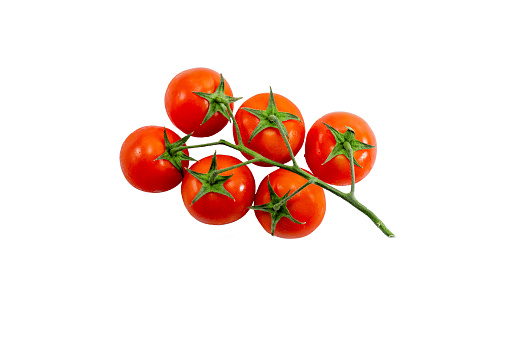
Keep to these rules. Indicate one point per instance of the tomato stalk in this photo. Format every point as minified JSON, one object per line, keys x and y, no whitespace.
{"x":355,"y":203}
{"x":181,"y":148}
{"x":348,"y":197}
{"x":219,"y":171}
{"x":349,"y":149}
{"x":237,"y":130}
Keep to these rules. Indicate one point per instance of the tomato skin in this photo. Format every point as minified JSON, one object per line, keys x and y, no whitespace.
{"x":137,"y":156}
{"x":187,"y":110}
{"x":307,"y":206}
{"x":269,"y":142}
{"x":320,"y":142}
{"x":214,"y":208}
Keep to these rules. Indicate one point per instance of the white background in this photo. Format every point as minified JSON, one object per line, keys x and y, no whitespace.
{"x":85,"y":255}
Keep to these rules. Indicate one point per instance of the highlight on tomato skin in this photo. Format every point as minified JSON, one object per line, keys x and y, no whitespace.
{"x":186,"y":109}
{"x":138,"y":164}
{"x":307,"y":206}
{"x":214,"y":208}
{"x":320,"y":142}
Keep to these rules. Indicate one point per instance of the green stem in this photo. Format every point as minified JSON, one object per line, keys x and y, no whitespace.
{"x":237,"y":130}
{"x":273,"y":118}
{"x":237,"y":166}
{"x":181,"y":148}
{"x":355,"y":203}
{"x":348,"y":197}
{"x":244,"y":149}
{"x":259,"y":157}
{"x":348,"y":147}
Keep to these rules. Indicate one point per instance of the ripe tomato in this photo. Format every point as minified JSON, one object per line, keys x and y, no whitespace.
{"x":307,"y":206}
{"x":186,"y":109}
{"x":320,"y":142}
{"x":214,"y":208}
{"x":269,"y":141}
{"x":137,"y":160}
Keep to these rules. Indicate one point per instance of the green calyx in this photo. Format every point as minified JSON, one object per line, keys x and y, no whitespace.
{"x":343,"y":142}
{"x":175,"y":157}
{"x":276,"y":207}
{"x":211,"y":181}
{"x":268,"y":117}
{"x":218,"y":101}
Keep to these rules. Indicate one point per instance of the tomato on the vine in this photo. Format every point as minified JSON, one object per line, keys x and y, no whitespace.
{"x":325,"y":154}
{"x":307,"y":207}
{"x":188,"y":110}
{"x":261,"y":135}
{"x":138,"y":160}
{"x":229,"y":195}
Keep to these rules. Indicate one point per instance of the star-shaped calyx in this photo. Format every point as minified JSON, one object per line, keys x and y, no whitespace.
{"x":211,"y":181}
{"x":276,"y":207}
{"x":266,"y":117}
{"x":341,"y":140}
{"x":218,"y":101}
{"x":175,"y":157}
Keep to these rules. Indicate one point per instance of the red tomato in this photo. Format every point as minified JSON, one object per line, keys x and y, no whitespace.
{"x":137,"y":156}
{"x":320,"y":142}
{"x":269,"y":142}
{"x":307,"y":206}
{"x":214,"y":208}
{"x":186,"y":109}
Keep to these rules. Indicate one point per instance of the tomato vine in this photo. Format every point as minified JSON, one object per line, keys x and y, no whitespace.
{"x":346,"y":145}
{"x":200,"y":102}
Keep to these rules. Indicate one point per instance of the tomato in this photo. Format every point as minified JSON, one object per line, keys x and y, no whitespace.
{"x":137,"y":160}
{"x":214,"y":208}
{"x":269,"y":142}
{"x":307,"y":206}
{"x":320,"y":142}
{"x":186,"y":109}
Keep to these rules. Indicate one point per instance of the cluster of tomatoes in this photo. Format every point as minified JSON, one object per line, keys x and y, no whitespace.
{"x":156,"y":159}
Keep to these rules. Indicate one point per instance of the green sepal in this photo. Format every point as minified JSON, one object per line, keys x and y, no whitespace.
{"x":175,"y":158}
{"x":216,"y":185}
{"x":218,"y":102}
{"x":264,"y":116}
{"x":275,"y":214}
{"x":341,"y":138}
